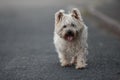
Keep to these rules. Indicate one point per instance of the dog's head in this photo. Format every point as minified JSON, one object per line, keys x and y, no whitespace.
{"x":68,"y":26}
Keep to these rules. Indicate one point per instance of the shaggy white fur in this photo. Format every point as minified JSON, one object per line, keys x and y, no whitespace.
{"x":70,"y":38}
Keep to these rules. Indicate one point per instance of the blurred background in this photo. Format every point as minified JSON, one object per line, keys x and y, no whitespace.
{"x":26,"y":40}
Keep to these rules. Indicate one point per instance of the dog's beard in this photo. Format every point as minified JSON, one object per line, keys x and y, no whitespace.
{"x":68,"y":37}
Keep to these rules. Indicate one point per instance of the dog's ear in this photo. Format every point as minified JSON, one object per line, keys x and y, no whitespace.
{"x":76,"y":14}
{"x":59,"y":15}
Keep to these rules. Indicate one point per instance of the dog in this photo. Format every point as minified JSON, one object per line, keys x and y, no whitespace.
{"x":70,"y":38}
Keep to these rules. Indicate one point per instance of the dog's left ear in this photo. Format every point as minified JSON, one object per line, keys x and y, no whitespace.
{"x":76,"y":14}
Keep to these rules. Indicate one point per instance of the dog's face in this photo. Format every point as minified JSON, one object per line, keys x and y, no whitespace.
{"x":68,"y":26}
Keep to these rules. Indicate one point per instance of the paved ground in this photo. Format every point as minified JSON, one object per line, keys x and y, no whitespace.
{"x":27,"y":51}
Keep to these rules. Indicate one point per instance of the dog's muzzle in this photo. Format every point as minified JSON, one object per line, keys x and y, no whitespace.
{"x":69,"y":36}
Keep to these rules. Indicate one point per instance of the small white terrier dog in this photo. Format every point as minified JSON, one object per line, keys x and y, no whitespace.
{"x":70,"y":38}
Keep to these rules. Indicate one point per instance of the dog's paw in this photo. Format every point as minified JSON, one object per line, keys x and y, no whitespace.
{"x":65,"y":64}
{"x":81,"y":66}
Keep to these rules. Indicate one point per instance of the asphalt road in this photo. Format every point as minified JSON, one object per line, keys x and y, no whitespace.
{"x":27,"y":51}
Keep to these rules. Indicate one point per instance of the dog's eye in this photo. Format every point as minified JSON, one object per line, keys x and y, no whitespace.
{"x":64,"y":26}
{"x":73,"y":25}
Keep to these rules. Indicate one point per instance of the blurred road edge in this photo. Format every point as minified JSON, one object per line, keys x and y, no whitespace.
{"x":110,"y":23}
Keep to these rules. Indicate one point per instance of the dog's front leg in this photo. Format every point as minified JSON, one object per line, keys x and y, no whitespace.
{"x":81,"y":59}
{"x":63,"y":59}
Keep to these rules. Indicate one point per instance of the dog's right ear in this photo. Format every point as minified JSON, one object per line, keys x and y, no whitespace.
{"x":58,"y":16}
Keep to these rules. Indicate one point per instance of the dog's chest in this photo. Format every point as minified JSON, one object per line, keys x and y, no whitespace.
{"x":72,"y":48}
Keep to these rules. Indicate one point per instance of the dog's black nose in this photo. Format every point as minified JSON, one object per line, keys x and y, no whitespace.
{"x":69,"y":32}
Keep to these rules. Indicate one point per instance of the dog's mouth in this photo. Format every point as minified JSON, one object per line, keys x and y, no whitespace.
{"x":69,"y":37}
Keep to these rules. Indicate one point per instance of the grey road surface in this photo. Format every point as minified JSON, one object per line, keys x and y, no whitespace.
{"x":27,"y":51}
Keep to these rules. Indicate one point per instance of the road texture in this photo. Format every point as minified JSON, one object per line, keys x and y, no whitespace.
{"x":27,"y":51}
